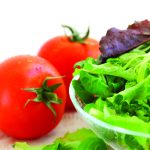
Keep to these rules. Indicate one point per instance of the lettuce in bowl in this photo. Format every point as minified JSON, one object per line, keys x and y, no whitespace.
{"x":112,"y":93}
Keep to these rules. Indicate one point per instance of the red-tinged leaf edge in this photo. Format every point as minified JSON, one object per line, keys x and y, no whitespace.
{"x":142,"y":26}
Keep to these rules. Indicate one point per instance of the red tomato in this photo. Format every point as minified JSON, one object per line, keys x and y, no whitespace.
{"x":63,"y":52}
{"x":25,"y":114}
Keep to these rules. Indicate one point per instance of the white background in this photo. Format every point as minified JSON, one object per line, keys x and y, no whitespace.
{"x":26,"y":24}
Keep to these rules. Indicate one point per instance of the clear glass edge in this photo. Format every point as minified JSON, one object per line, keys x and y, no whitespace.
{"x":99,"y":122}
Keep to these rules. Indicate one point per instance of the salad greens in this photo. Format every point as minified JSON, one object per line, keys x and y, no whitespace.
{"x":115,"y":89}
{"x":79,"y":140}
{"x":118,"y":92}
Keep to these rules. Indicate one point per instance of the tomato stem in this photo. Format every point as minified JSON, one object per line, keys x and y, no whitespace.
{"x":75,"y":37}
{"x":45,"y":94}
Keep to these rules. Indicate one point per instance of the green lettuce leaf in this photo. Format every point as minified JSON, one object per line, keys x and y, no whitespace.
{"x":79,"y":140}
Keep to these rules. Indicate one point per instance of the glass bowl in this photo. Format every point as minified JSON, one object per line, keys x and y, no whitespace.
{"x":116,"y":137}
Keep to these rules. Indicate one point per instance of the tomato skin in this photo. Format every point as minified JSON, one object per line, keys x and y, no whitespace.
{"x":63,"y":54}
{"x":35,"y":119}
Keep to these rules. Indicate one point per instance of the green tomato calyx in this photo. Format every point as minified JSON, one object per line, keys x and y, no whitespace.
{"x":46,"y":94}
{"x":76,"y":36}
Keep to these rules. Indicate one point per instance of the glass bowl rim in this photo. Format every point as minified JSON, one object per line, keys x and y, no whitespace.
{"x":97,"y":121}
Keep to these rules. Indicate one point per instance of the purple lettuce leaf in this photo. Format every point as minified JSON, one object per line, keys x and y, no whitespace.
{"x":116,"y":41}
